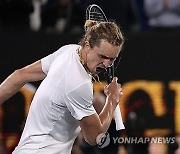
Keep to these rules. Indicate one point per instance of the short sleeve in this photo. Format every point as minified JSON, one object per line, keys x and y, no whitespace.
{"x":80,"y":102}
{"x":48,"y":60}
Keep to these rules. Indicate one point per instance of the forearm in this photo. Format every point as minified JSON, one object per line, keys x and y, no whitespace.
{"x":18,"y":78}
{"x":106,"y":114}
{"x":96,"y":124}
{"x":102,"y":123}
{"x":11,"y":86}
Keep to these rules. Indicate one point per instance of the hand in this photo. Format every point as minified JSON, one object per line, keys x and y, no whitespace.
{"x":114,"y":91}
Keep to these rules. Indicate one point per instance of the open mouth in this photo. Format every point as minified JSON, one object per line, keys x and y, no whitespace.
{"x":99,"y":69}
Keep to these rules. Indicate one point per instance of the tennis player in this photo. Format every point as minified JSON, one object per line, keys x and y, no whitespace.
{"x":62,"y":105}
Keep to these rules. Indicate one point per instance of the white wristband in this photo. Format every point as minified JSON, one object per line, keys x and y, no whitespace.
{"x":118,"y":119}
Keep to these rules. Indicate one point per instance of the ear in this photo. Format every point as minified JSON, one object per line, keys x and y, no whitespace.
{"x":87,"y":46}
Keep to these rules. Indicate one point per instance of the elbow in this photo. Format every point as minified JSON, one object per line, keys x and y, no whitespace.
{"x":90,"y":138}
{"x":91,"y":141}
{"x":18,"y":72}
{"x":102,"y":140}
{"x":92,"y":128}
{"x":20,"y":75}
{"x":94,"y":139}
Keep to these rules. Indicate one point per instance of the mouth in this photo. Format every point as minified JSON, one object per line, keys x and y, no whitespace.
{"x":100,"y":69}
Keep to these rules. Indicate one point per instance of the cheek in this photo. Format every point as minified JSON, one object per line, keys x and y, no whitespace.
{"x":96,"y":61}
{"x":93,"y":59}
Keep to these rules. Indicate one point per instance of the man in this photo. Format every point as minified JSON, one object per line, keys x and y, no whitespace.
{"x":62,"y":104}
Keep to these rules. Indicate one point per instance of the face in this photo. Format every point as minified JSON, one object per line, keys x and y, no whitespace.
{"x":99,"y":58}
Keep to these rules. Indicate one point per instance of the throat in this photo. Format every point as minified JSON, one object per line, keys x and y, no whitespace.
{"x":79,"y":51}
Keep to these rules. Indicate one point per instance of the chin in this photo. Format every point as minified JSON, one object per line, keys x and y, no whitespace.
{"x":97,"y":72}
{"x":94,"y":72}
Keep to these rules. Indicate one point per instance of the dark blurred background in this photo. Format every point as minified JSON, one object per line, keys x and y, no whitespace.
{"x":149,"y":69}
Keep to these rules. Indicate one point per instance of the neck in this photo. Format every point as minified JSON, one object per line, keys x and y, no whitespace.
{"x":83,"y":58}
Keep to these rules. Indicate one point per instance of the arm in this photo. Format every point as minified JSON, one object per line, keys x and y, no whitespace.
{"x":95,"y":124}
{"x":19,"y":78}
{"x":33,"y":72}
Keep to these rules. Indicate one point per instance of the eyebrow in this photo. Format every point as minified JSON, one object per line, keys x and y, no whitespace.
{"x":105,"y":57}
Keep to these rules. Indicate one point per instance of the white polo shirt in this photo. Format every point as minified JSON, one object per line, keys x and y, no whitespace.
{"x":64,"y":97}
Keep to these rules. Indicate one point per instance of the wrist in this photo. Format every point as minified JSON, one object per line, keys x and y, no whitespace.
{"x":113,"y":101}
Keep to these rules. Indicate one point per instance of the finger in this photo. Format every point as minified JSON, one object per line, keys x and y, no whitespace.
{"x":115,"y":79}
{"x":119,"y":85}
{"x":120,"y":89}
{"x":105,"y":87}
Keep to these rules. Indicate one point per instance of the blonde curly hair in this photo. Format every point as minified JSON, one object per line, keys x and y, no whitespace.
{"x":96,"y":31}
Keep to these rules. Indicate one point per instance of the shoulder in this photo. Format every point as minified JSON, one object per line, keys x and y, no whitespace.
{"x":82,"y":92}
{"x":68,"y":46}
{"x":78,"y":84}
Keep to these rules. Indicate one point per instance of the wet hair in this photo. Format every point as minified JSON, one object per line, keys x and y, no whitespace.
{"x":96,"y":31}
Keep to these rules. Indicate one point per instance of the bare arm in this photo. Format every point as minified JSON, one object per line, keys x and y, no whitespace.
{"x":18,"y":78}
{"x":95,"y":124}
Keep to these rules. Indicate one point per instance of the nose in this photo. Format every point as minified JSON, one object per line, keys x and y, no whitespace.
{"x":107,"y":63}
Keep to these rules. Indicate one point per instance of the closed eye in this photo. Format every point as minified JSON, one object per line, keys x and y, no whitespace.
{"x":108,"y":58}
